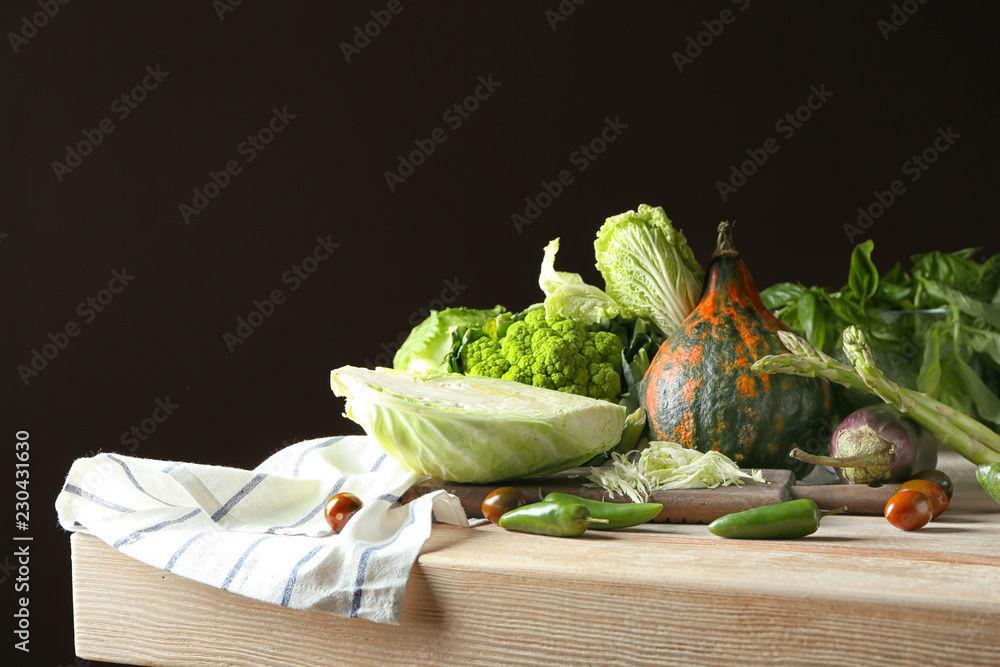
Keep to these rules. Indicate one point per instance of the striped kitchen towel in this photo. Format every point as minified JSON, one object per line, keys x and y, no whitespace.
{"x":261,"y":533}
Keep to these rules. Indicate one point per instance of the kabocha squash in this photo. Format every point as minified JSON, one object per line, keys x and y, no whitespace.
{"x":700,"y":391}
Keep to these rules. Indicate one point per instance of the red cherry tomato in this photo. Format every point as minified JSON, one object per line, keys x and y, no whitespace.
{"x":339,"y":510}
{"x":909,"y":510}
{"x":939,"y":478}
{"x":501,"y":501}
{"x":937,"y":495}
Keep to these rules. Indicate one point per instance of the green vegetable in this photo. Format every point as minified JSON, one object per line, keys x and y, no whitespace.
{"x":791,"y":519}
{"x":970,"y":438}
{"x":551,"y":353}
{"x":648,"y":269}
{"x":430,"y":341}
{"x":619,"y":515}
{"x":988,"y":476}
{"x":474,"y":429}
{"x":555,"y":518}
{"x":667,"y":465}
{"x":635,"y":424}
{"x":935,"y":328}
{"x":568,"y":295}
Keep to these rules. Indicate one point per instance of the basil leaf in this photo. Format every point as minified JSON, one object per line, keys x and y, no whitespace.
{"x":955,"y":269}
{"x":811,"y":324}
{"x":982,"y":341}
{"x":929,"y":377}
{"x":987,"y":404}
{"x":987,"y":287}
{"x":844,"y":308}
{"x":896,"y":275}
{"x":895,"y":293}
{"x":966,"y":304}
{"x":781,"y":294}
{"x":952,"y":392}
{"x":863,"y":277}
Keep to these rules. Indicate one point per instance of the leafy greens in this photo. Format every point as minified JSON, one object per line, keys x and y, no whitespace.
{"x":940,"y":320}
{"x":648,"y":269}
{"x":428,"y":343}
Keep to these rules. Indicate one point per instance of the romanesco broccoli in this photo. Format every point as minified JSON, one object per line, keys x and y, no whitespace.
{"x":552,"y":353}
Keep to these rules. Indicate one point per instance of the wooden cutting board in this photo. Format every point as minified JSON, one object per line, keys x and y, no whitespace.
{"x":680,"y":505}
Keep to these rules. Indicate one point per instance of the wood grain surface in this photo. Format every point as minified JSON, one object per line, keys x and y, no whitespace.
{"x":858,"y":592}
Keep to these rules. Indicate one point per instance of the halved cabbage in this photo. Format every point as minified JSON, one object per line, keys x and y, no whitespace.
{"x":471,"y":429}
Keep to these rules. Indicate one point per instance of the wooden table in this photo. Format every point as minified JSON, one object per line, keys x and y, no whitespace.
{"x":858,"y":592}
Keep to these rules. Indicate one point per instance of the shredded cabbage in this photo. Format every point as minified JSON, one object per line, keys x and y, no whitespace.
{"x":667,"y":465}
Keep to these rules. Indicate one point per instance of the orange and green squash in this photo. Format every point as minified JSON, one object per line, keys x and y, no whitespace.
{"x":700,"y":391}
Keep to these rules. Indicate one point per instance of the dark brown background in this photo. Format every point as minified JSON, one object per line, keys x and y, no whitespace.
{"x":450,"y":221}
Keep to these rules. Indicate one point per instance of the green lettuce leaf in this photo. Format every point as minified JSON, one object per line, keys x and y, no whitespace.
{"x":568,"y":295}
{"x":429,"y":343}
{"x":648,"y":267}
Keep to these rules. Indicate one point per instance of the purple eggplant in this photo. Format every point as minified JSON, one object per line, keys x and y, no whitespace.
{"x":877,"y":444}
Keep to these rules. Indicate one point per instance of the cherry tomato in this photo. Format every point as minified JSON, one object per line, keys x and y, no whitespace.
{"x":937,"y":496}
{"x":939,"y":478}
{"x":339,"y":510}
{"x":909,"y":510}
{"x":501,"y":501}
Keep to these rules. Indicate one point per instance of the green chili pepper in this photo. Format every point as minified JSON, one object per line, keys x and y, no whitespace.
{"x":795,"y":518}
{"x":619,"y":515}
{"x":559,"y":519}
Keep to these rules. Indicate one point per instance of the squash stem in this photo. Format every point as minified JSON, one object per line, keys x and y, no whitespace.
{"x":724,"y":245}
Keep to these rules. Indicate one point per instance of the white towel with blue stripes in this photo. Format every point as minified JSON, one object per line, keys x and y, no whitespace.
{"x":261,"y":533}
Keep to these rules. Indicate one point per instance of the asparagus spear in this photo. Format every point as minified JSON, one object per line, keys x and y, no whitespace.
{"x":968,"y":437}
